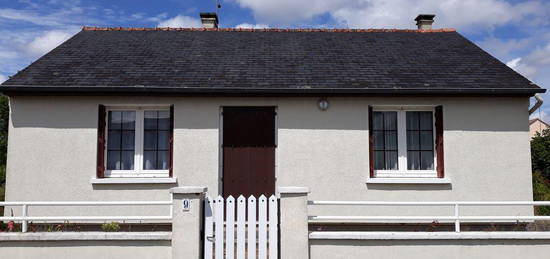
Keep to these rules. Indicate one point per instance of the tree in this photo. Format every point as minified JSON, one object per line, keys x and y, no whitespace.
{"x":540,"y":153}
{"x":540,"y":159}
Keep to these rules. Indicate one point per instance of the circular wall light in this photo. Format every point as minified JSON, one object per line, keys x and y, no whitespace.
{"x":323,"y":104}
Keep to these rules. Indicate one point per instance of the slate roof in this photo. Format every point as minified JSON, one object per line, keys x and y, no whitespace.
{"x":298,"y":61}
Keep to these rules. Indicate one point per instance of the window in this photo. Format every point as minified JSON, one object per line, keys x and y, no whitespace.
{"x":137,"y":142}
{"x":385,"y":144}
{"x":121,"y":140}
{"x":403,"y":142}
{"x":420,"y":143}
{"x":156,"y":139}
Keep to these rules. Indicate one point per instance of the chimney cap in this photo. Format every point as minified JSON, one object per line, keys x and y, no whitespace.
{"x":209,"y":20}
{"x":424,"y":17}
{"x":209,"y":16}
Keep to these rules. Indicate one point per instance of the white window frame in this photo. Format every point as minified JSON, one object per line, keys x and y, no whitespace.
{"x":138,"y":142}
{"x":402,"y":171}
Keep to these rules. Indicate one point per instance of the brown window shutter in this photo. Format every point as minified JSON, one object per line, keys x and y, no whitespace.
{"x":171,"y":152}
{"x":371,"y":145}
{"x":100,"y":173}
{"x":439,"y":141}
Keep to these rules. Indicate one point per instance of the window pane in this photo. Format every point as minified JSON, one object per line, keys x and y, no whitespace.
{"x":163,"y":160}
{"x":120,"y":140}
{"x":391,"y":140}
{"x":163,"y":140}
{"x":156,"y":140}
{"x":115,"y":118}
{"x":113,"y":139}
{"x":113,"y":160}
{"x":128,"y":140}
{"x":150,"y":120}
{"x":150,"y":140}
{"x":128,"y":120}
{"x":420,"y":140}
{"x":149,"y":160}
{"x":426,"y":142}
{"x":425,"y":120}
{"x":164,"y":120}
{"x":391,"y":160}
{"x":412,"y":120}
{"x":378,"y":140}
{"x":427,"y":160}
{"x":413,"y":160}
{"x":390,"y":120}
{"x":379,"y":160}
{"x":378,"y":121}
{"x":127,"y":160}
{"x":385,"y":139}
{"x":412,"y":140}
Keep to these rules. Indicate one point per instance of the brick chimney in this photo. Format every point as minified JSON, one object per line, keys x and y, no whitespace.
{"x":209,"y":20}
{"x":424,"y":21}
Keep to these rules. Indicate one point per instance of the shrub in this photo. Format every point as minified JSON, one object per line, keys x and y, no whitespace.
{"x":541,"y":192}
{"x":540,"y":153}
{"x":110,"y":227}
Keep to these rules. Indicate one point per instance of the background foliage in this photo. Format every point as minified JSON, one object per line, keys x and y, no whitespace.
{"x":540,"y":152}
{"x":540,"y":158}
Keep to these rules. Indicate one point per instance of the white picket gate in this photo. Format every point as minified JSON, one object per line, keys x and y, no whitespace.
{"x":247,"y":237}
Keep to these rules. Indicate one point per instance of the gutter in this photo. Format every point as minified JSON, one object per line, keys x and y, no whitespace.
{"x":538,"y":104}
{"x":228,"y":91}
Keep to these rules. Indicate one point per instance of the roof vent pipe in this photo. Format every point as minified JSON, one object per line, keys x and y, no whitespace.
{"x":209,"y":20}
{"x":539,"y":102}
{"x":424,"y":21}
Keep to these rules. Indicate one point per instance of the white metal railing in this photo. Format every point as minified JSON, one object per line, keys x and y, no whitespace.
{"x":456,"y":217}
{"x":25,"y":218}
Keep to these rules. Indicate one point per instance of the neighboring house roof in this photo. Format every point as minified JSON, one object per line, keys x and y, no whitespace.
{"x":271,"y":61}
{"x":531,"y":121}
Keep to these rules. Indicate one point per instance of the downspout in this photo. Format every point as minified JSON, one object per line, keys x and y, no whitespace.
{"x":537,"y":104}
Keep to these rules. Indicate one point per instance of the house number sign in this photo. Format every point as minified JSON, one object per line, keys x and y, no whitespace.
{"x":186,"y":204}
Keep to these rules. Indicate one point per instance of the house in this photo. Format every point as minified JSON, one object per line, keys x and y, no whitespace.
{"x":361,"y":115}
{"x":537,"y":125}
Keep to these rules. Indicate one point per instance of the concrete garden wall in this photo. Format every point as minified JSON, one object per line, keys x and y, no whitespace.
{"x":85,"y":245}
{"x":429,"y":249}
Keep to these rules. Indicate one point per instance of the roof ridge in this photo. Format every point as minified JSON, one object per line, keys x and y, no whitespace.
{"x":531,"y":121}
{"x":93,"y":28}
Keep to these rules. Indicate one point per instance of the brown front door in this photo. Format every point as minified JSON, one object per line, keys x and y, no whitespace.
{"x":248,"y":151}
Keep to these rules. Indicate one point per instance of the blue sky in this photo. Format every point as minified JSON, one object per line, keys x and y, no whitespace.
{"x":516,"y":32}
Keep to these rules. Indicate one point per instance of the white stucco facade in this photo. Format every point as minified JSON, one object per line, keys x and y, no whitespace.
{"x":53,"y":140}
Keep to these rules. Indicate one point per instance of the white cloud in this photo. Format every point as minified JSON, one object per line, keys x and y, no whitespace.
{"x":541,"y":114}
{"x":158,"y":18}
{"x":29,"y":16}
{"x":46,"y":42}
{"x":288,"y":11}
{"x":7,"y":54}
{"x":67,"y":15}
{"x":513,"y":63}
{"x":505,"y":49}
{"x":463,"y":14}
{"x":181,"y":21}
{"x":252,"y":26}
{"x":3,"y":78}
{"x":531,"y":64}
{"x":137,"y":16}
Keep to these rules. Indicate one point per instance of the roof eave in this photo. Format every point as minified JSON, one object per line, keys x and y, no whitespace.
{"x":223,"y":91}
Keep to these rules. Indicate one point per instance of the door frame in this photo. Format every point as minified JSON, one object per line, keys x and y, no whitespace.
{"x":220,"y":141}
